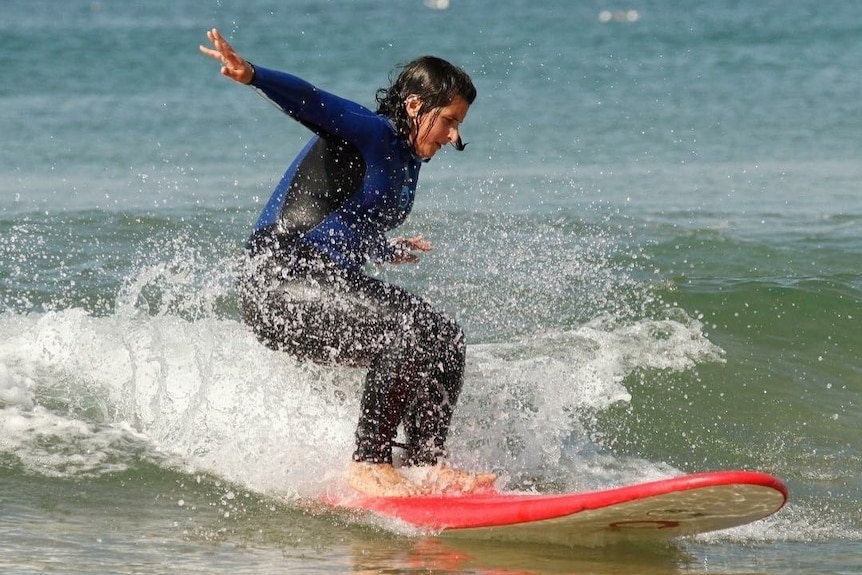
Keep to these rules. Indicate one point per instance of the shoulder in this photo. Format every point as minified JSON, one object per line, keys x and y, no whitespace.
{"x":378,"y":136}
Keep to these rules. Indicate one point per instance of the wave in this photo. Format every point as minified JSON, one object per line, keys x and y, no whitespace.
{"x":207,"y":392}
{"x":85,"y":396}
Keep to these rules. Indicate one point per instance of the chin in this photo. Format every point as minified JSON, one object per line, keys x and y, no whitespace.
{"x":431,"y":153}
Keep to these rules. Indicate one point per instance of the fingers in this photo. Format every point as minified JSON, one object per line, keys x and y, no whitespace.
{"x":218,"y":40}
{"x":216,"y":53}
{"x":417,"y":243}
{"x":212,"y":36}
{"x":233,"y":66}
{"x":222,"y":50}
{"x":403,"y":247}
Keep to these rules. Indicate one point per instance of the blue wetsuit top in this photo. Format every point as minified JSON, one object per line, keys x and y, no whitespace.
{"x":354,"y":181}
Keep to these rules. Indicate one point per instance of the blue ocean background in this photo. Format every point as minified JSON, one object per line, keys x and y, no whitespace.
{"x":652,"y":241}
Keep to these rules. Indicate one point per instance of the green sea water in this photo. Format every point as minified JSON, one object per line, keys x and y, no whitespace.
{"x":652,"y":242}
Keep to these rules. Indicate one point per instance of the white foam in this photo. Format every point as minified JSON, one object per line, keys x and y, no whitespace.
{"x":58,"y":446}
{"x":208,"y":392}
{"x":523,"y":400}
{"x":85,"y":396}
{"x":15,"y":389}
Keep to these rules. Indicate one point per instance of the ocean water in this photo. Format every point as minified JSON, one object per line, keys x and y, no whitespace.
{"x":652,"y":241}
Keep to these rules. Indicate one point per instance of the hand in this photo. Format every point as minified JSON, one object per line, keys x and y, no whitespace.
{"x":232,"y":65}
{"x":404,"y":248}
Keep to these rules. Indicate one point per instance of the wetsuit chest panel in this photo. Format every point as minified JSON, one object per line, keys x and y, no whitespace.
{"x":327,"y":176}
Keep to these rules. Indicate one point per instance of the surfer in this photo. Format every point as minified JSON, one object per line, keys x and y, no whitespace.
{"x":303,"y":289}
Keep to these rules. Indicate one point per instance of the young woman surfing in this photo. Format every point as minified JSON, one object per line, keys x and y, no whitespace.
{"x":303,"y":289}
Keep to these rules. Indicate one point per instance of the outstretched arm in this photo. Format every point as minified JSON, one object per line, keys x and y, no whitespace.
{"x":232,"y":64}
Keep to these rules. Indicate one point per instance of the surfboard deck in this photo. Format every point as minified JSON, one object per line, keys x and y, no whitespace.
{"x":662,"y":509}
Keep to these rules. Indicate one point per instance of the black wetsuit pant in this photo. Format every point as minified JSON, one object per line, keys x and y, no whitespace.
{"x":298,"y":301}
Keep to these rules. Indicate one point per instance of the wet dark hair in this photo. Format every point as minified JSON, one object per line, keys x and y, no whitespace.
{"x":435,"y":81}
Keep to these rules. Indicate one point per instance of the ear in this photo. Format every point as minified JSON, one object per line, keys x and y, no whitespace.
{"x":412,"y":104}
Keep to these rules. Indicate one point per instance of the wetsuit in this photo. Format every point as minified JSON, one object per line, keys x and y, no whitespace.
{"x":303,"y":289}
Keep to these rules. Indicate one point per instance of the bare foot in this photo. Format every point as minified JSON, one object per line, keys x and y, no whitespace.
{"x":442,"y":478}
{"x":380,"y":480}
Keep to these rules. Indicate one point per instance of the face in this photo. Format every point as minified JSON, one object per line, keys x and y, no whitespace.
{"x":437,"y":127}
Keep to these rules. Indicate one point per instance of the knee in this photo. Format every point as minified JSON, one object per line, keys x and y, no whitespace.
{"x":433,"y":328}
{"x":457,"y":337}
{"x":447,"y":343}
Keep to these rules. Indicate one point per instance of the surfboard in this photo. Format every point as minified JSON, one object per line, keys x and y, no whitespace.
{"x":663,"y":509}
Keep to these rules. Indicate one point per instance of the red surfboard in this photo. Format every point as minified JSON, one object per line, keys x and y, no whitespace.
{"x":666,"y":508}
